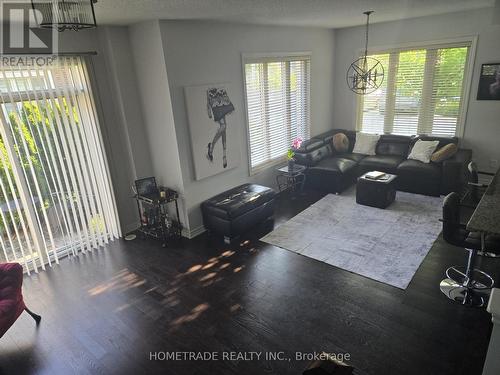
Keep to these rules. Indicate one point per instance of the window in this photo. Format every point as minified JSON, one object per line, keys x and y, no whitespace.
{"x":56,"y":196}
{"x":278,"y":103}
{"x":422,"y":93}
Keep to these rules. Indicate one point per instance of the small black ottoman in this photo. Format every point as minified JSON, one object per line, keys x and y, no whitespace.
{"x":233,"y":212}
{"x":376,"y":193}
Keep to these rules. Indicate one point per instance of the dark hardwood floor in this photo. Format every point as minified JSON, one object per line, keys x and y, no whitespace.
{"x":104,"y":312}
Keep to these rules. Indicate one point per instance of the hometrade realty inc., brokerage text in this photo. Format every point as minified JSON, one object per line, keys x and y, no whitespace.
{"x":246,"y":356}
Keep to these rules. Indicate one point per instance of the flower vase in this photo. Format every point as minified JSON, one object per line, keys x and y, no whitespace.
{"x":291,"y":165}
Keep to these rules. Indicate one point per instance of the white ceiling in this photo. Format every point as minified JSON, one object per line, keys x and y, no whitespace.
{"x":322,"y":13}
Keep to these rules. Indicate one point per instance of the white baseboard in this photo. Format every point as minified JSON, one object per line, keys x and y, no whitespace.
{"x":193,"y":232}
{"x":131,"y":227}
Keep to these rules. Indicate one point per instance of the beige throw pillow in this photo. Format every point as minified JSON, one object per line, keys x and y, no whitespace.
{"x":444,"y":153}
{"x":365,"y":143}
{"x":340,"y":142}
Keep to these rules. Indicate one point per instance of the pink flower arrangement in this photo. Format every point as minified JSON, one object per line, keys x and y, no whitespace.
{"x":295,"y":145}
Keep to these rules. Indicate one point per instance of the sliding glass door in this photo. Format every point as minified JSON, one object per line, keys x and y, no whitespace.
{"x":56,"y":196}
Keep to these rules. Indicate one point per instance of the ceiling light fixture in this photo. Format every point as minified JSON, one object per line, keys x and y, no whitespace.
{"x":366,"y":74}
{"x":65,"y":14}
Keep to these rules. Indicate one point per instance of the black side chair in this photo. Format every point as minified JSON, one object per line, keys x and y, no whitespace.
{"x":466,"y":285}
{"x":475,"y":189}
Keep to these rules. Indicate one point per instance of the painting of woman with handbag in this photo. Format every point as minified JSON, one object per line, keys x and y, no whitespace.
{"x":219,"y":128}
{"x":219,"y":105}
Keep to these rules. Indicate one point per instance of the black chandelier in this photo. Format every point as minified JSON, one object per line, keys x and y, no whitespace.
{"x":65,"y":14}
{"x":366,"y":74}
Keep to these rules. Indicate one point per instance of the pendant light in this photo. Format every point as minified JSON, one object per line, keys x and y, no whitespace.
{"x":366,"y":74}
{"x":65,"y":14}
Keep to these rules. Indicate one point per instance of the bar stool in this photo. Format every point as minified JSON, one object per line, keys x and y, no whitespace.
{"x":475,"y":188}
{"x":466,"y":285}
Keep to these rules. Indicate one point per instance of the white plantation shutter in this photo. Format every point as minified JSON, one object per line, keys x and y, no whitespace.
{"x":56,"y":196}
{"x":369,"y":106}
{"x":278,"y":106}
{"x":422,"y":92}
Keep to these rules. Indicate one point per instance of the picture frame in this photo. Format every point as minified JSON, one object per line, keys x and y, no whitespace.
{"x":489,"y":82}
{"x":213,"y":128}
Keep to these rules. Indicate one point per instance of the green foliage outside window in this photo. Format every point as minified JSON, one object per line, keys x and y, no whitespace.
{"x":29,"y":123}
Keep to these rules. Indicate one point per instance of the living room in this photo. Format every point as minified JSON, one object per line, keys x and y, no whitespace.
{"x":256,"y":187}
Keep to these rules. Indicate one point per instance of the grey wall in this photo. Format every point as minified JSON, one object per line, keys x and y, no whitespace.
{"x":201,"y":53}
{"x":123,"y":119}
{"x":122,"y":80}
{"x":153,"y":84}
{"x":482,"y":125}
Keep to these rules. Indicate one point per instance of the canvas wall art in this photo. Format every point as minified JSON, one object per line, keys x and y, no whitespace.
{"x":213,"y":130}
{"x":489,"y":82}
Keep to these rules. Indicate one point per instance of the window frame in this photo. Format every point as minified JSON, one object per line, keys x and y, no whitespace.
{"x":248,"y":58}
{"x":469,"y":41}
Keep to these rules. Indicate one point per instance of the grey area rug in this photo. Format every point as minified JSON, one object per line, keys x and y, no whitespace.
{"x":385,"y":245}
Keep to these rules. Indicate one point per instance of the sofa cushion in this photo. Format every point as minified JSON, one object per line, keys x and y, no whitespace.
{"x":310,"y":158}
{"x":337,"y":164}
{"x":420,"y":170}
{"x":384,"y":163}
{"x":333,"y":175}
{"x":311,"y":144}
{"x":417,"y":177}
{"x":393,"y":145}
{"x":237,"y":201}
{"x":354,"y":157}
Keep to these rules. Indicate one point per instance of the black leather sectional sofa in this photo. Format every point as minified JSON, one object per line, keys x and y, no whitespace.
{"x":331,"y":171}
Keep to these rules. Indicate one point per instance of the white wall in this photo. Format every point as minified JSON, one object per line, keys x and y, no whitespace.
{"x":482,"y":126}
{"x":153,"y":83}
{"x":207,"y":52}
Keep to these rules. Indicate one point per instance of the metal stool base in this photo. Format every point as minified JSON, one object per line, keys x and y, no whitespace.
{"x":466,"y":296}
{"x":479,"y":279}
{"x":487,"y":254}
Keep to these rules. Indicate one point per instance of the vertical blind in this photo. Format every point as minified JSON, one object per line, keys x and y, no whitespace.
{"x":278,"y":107}
{"x":56,"y":196}
{"x":422,"y":92}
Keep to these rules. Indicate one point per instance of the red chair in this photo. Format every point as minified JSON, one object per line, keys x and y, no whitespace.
{"x":11,"y":297}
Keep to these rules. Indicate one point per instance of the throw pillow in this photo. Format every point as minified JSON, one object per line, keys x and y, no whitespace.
{"x":365,"y":143}
{"x":444,"y":153}
{"x":340,"y":142}
{"x":422,"y":150}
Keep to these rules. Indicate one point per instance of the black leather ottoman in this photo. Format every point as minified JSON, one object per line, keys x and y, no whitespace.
{"x":376,"y":193}
{"x":233,"y":212}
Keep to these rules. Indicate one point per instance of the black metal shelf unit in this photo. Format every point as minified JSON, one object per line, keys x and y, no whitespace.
{"x":156,"y":223}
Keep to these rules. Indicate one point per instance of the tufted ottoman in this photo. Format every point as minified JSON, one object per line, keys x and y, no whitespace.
{"x":233,"y":212}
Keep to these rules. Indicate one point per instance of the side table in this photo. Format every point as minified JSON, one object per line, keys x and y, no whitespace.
{"x":292,"y":181}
